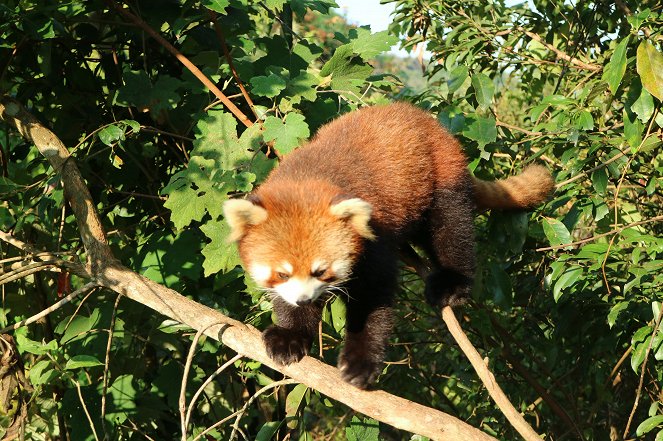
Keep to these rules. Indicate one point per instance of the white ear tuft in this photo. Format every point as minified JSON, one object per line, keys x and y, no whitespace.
{"x":240,"y":213}
{"x":358,"y":212}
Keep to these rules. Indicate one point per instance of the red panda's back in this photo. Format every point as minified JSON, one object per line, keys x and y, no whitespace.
{"x":391,"y":156}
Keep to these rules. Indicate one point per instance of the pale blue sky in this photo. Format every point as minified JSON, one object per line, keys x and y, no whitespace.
{"x":367,"y":12}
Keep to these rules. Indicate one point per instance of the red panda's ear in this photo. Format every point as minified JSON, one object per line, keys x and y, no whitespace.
{"x":240,"y":213}
{"x":358,"y":212}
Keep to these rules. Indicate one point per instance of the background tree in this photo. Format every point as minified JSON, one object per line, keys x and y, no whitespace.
{"x":567,"y":305}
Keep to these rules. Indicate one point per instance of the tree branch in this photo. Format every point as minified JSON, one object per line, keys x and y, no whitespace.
{"x":480,"y":366}
{"x":243,"y":339}
{"x":560,"y":54}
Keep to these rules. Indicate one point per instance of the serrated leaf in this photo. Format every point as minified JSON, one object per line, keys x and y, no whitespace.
{"x":347,"y":70}
{"x":649,"y":64}
{"x":108,"y":135}
{"x":613,"y":72}
{"x":217,"y":5}
{"x":366,"y":430}
{"x":268,"y":86}
{"x":82,"y":361}
{"x":286,"y":134}
{"x":482,"y":130}
{"x":556,"y":232}
{"x":219,"y":254}
{"x":369,"y":45}
{"x":302,"y":87}
{"x":483,"y":89}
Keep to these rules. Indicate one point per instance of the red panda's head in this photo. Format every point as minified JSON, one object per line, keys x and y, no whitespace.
{"x":298,"y":243}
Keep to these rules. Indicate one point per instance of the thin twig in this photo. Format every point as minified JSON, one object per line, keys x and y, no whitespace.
{"x":185,"y":376}
{"x":226,"y":53}
{"x":202,"y":387}
{"x":111,"y":328}
{"x":514,"y":417}
{"x":51,"y":308}
{"x":184,"y":60}
{"x":560,"y":54}
{"x":253,"y":398}
{"x":87,"y":413}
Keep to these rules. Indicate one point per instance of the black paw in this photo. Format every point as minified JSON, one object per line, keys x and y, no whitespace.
{"x":448,"y":288}
{"x":285,"y":346}
{"x":358,"y":369}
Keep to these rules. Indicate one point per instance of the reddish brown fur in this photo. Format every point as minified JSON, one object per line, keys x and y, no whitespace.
{"x":391,"y":156}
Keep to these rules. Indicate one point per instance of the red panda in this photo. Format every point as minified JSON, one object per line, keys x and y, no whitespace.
{"x":331,"y":218}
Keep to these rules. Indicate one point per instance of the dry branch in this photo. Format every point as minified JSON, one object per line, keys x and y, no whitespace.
{"x":244,"y":339}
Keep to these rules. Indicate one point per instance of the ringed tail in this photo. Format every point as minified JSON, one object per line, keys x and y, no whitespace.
{"x":530,"y":188}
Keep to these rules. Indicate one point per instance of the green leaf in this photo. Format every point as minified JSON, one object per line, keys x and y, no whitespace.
{"x":268,"y":430}
{"x":600,"y":180}
{"x":108,"y":135}
{"x":615,"y":311}
{"x":369,"y":45}
{"x":613,"y":72}
{"x":366,"y":430}
{"x":457,"y":77}
{"x":302,"y":87}
{"x":219,"y":254}
{"x":82,"y":361}
{"x":217,"y":5}
{"x":347,"y":70}
{"x":286,"y":134}
{"x":643,"y":106}
{"x":482,"y":130}
{"x":483,"y":89}
{"x":633,"y":129}
{"x":565,"y":280}
{"x":556,"y":232}
{"x":269,"y":86}
{"x":640,"y":342}
{"x":584,"y":120}
{"x":649,"y":424}
{"x":649,"y":64}
{"x":338,"y":313}
{"x":293,"y":401}
{"x":275,"y":4}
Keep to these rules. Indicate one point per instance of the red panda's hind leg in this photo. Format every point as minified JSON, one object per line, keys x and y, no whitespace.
{"x":451,"y":246}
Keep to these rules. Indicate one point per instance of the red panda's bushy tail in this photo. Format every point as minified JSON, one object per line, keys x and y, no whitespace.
{"x":526,"y":190}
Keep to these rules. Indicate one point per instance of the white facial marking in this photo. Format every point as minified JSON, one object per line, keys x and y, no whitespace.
{"x":299,"y":289}
{"x":341,"y":268}
{"x":318,"y":265}
{"x":285,"y":267}
{"x":260,"y":272}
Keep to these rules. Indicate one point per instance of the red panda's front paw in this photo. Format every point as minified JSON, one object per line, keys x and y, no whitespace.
{"x":357,"y":369}
{"x":285,"y":346}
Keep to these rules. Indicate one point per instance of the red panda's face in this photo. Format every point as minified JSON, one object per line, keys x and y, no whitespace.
{"x":295,"y":252}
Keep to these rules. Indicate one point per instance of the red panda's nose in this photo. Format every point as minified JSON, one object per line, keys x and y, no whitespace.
{"x":302,"y":302}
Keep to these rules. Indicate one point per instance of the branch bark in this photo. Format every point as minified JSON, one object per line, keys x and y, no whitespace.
{"x":244,"y":339}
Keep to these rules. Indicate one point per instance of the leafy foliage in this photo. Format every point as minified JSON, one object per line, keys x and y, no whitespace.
{"x":567,"y":299}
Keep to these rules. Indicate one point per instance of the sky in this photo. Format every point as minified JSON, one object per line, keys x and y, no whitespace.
{"x":367,"y":12}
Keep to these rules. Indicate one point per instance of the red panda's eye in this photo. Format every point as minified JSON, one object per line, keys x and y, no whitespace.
{"x":283,"y":276}
{"x":318,"y":273}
